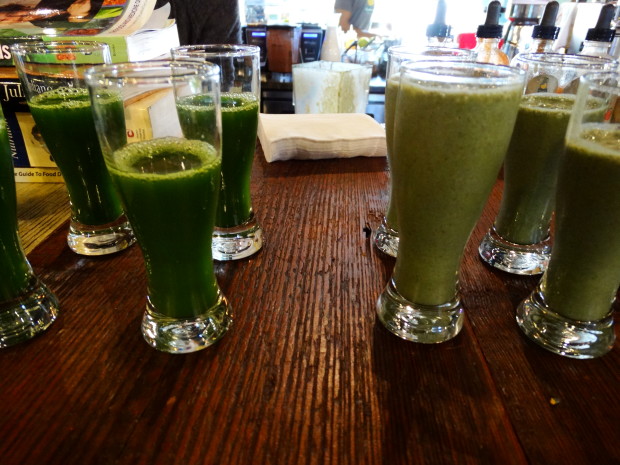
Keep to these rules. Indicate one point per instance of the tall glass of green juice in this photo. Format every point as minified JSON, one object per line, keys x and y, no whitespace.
{"x":237,"y":233}
{"x":52,"y":74}
{"x":519,"y":241}
{"x":386,"y":235}
{"x":570,"y":312}
{"x":452,"y":126}
{"x":169,"y":183}
{"x":27,"y":307}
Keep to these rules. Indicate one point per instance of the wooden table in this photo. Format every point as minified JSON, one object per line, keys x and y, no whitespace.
{"x":307,"y":375}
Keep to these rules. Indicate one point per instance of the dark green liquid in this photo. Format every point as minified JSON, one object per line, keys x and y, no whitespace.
{"x":239,"y":125}
{"x":449,"y":146}
{"x":14,"y":268}
{"x":66,"y":123}
{"x":169,"y":188}
{"x":584,"y":271}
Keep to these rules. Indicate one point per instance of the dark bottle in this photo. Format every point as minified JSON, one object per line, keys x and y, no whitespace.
{"x":488,"y":37}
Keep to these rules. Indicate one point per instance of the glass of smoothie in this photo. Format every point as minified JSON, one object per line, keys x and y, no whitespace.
{"x":169,"y":182}
{"x":452,"y":126}
{"x":237,"y":233}
{"x":386,"y":235}
{"x":570,"y":313}
{"x":53,"y":77}
{"x":27,"y":307}
{"x":519,"y":242}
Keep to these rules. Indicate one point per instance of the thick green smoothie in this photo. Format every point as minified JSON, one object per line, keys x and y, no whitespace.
{"x":584,"y":271}
{"x":14,"y":268}
{"x":449,"y":145}
{"x":169,"y":188}
{"x":66,"y":123}
{"x":391,"y":92}
{"x":531,"y":166}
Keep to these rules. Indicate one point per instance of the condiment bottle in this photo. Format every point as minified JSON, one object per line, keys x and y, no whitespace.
{"x":438,"y":33}
{"x":600,"y":37}
{"x":488,"y":37}
{"x":544,"y":35}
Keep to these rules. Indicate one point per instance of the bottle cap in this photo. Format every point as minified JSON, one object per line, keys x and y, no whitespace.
{"x":547,"y":29}
{"x":603,"y":31}
{"x":439,"y":28}
{"x":491,"y":29}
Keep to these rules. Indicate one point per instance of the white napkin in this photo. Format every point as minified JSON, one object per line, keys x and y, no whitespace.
{"x":320,"y":136}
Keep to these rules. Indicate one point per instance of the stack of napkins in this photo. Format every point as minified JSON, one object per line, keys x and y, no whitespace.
{"x":320,"y":136}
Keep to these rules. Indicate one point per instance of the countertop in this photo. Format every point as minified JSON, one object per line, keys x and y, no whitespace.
{"x":307,"y":374}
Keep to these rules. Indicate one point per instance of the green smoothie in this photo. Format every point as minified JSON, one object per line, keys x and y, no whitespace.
{"x":530,"y":168}
{"x":66,"y":123}
{"x":14,"y":267}
{"x":391,"y":92}
{"x":449,"y":145}
{"x":169,"y":188}
{"x":584,"y":271}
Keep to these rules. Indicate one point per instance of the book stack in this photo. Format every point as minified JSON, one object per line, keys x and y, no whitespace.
{"x":145,"y":35}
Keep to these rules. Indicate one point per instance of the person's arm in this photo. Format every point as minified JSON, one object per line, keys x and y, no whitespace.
{"x":345,"y":19}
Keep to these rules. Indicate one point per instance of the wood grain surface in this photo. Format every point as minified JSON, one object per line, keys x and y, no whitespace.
{"x":307,"y":374}
{"x":42,"y":207}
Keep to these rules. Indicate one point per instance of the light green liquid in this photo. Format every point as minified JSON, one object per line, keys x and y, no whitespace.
{"x":531,"y":166}
{"x":584,"y":271}
{"x":449,"y":146}
{"x":391,"y":92}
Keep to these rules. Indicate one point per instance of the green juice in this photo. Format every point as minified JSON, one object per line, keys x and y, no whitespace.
{"x":239,"y":126}
{"x":169,"y":188}
{"x":449,"y":145}
{"x":66,"y":123}
{"x":391,"y":92}
{"x":584,"y":271}
{"x":531,"y":166}
{"x":14,"y":268}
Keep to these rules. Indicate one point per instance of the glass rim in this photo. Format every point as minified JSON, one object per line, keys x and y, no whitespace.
{"x":136,"y":72}
{"x":406,"y":50}
{"x":591,"y":79}
{"x":572,"y":60}
{"x":219,"y":50}
{"x":432,"y":70}
{"x":54,"y":47}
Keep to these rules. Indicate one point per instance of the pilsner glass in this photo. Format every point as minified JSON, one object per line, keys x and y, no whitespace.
{"x":569,"y":313}
{"x":519,"y":241}
{"x":27,"y":307}
{"x":386,"y":235}
{"x":452,"y":126}
{"x":169,"y":183}
{"x":237,"y":234}
{"x":52,"y":74}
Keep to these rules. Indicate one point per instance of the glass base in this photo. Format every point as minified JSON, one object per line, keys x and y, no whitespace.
{"x":515,"y":258}
{"x":428,"y":324}
{"x":185,"y":335}
{"x":386,"y":239}
{"x":28,"y":315}
{"x":100,"y":240}
{"x":571,"y":338}
{"x":238,"y":242}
